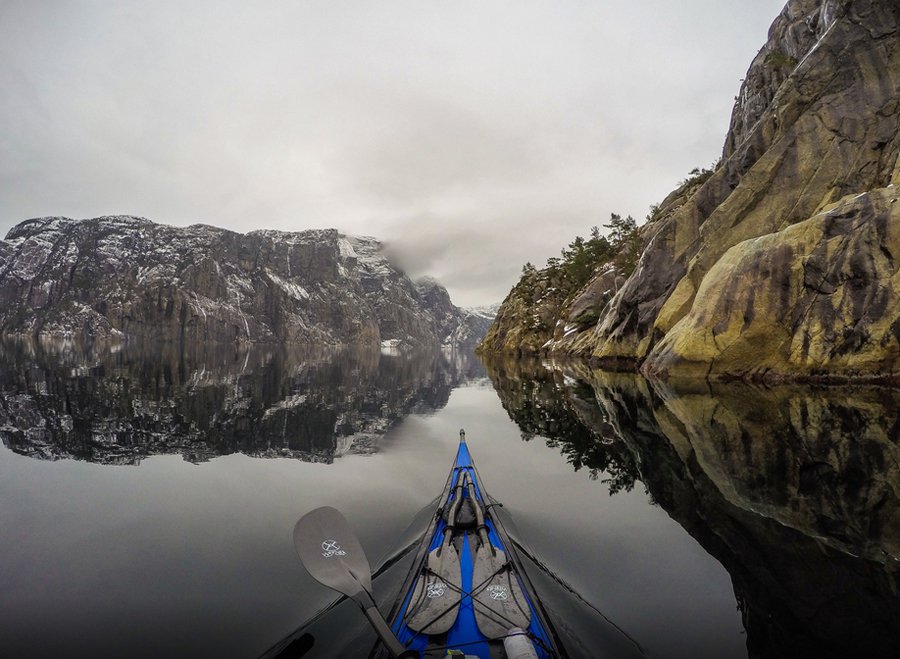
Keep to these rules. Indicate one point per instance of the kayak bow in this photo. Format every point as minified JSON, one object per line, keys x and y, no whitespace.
{"x":467,"y":593}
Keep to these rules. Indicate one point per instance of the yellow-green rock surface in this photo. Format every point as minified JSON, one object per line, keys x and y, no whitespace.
{"x":818,"y":297}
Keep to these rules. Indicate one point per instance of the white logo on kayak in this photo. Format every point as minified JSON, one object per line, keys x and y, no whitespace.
{"x":498,"y":592}
{"x":436,"y":589}
{"x":331,"y":548}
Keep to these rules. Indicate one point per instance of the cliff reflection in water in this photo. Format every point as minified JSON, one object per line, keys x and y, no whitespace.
{"x":793,"y":489}
{"x":119,"y":407}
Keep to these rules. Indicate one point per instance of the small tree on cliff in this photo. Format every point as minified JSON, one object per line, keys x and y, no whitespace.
{"x":626,"y":241}
{"x":581,"y":258}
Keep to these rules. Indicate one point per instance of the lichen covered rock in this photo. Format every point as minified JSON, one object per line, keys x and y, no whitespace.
{"x":528,"y":316}
{"x":817,"y":119}
{"x":818,"y":298}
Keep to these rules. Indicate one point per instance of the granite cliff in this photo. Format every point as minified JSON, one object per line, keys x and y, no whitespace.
{"x":782,"y":261}
{"x":115,"y":278}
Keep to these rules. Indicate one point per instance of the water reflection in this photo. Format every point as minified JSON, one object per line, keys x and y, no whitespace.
{"x":793,"y":489}
{"x":120,"y":407}
{"x":563,"y":410}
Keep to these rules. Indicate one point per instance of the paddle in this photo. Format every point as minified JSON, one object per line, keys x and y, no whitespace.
{"x":437,"y":590}
{"x":500,"y":602}
{"x":332,"y":555}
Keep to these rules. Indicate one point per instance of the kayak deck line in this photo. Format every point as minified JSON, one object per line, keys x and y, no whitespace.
{"x":491,"y":604}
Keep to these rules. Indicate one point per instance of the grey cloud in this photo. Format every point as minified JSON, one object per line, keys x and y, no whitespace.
{"x":453,"y":248}
{"x":442,"y":150}
{"x":471,"y":137}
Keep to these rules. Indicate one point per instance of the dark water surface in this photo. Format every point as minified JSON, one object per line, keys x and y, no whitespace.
{"x":148,"y":499}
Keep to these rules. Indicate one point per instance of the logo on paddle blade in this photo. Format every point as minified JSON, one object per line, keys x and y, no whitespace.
{"x":498,"y":592}
{"x":331,"y":548}
{"x":435,"y":589}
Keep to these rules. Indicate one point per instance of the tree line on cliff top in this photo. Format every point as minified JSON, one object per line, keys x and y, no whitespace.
{"x":621,"y":246}
{"x":582,"y":258}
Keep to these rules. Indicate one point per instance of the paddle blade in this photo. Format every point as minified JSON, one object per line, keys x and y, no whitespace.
{"x":499,"y":601}
{"x":332,"y":555}
{"x":435,"y":600}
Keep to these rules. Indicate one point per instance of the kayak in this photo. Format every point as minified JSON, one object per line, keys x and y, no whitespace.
{"x":467,"y":593}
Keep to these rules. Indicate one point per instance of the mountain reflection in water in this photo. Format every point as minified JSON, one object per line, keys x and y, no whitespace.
{"x":793,"y":489}
{"x":118,"y":408}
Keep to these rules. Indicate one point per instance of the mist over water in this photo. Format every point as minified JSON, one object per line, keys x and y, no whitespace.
{"x":150,"y":495}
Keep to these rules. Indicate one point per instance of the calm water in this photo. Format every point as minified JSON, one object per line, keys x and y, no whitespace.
{"x":149,"y":498}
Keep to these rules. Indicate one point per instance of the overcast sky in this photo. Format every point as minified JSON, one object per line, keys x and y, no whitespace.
{"x":470,"y":136}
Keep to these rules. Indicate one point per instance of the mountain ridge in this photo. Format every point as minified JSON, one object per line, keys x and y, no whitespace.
{"x":118,"y":278}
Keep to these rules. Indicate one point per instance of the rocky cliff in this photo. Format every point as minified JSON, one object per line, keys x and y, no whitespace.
{"x":544,"y":312}
{"x":553,"y":306}
{"x":112,"y":278}
{"x":783,"y":261}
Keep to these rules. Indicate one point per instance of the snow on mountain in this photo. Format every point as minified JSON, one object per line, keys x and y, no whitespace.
{"x":122,"y":277}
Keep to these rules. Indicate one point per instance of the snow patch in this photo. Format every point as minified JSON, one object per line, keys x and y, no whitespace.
{"x":296,"y":291}
{"x":288,"y":403}
{"x":234,"y":284}
{"x":346,"y":249}
{"x":389,"y":346}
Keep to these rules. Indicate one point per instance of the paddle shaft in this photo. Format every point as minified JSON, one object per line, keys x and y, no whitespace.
{"x":394,"y":646}
{"x":479,"y":516}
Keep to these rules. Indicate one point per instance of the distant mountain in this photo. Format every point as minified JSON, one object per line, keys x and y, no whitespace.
{"x":118,"y":278}
{"x":478,"y":320}
{"x":782,"y":260}
{"x":488,"y":311}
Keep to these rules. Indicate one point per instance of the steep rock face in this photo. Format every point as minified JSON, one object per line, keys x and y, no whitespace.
{"x":526,"y":319}
{"x":543,"y":313}
{"x":819,"y":297}
{"x":585,"y":309}
{"x":455,"y":327}
{"x":479,"y":320}
{"x":549,"y":305}
{"x":817,"y":120}
{"x":116,"y":277}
